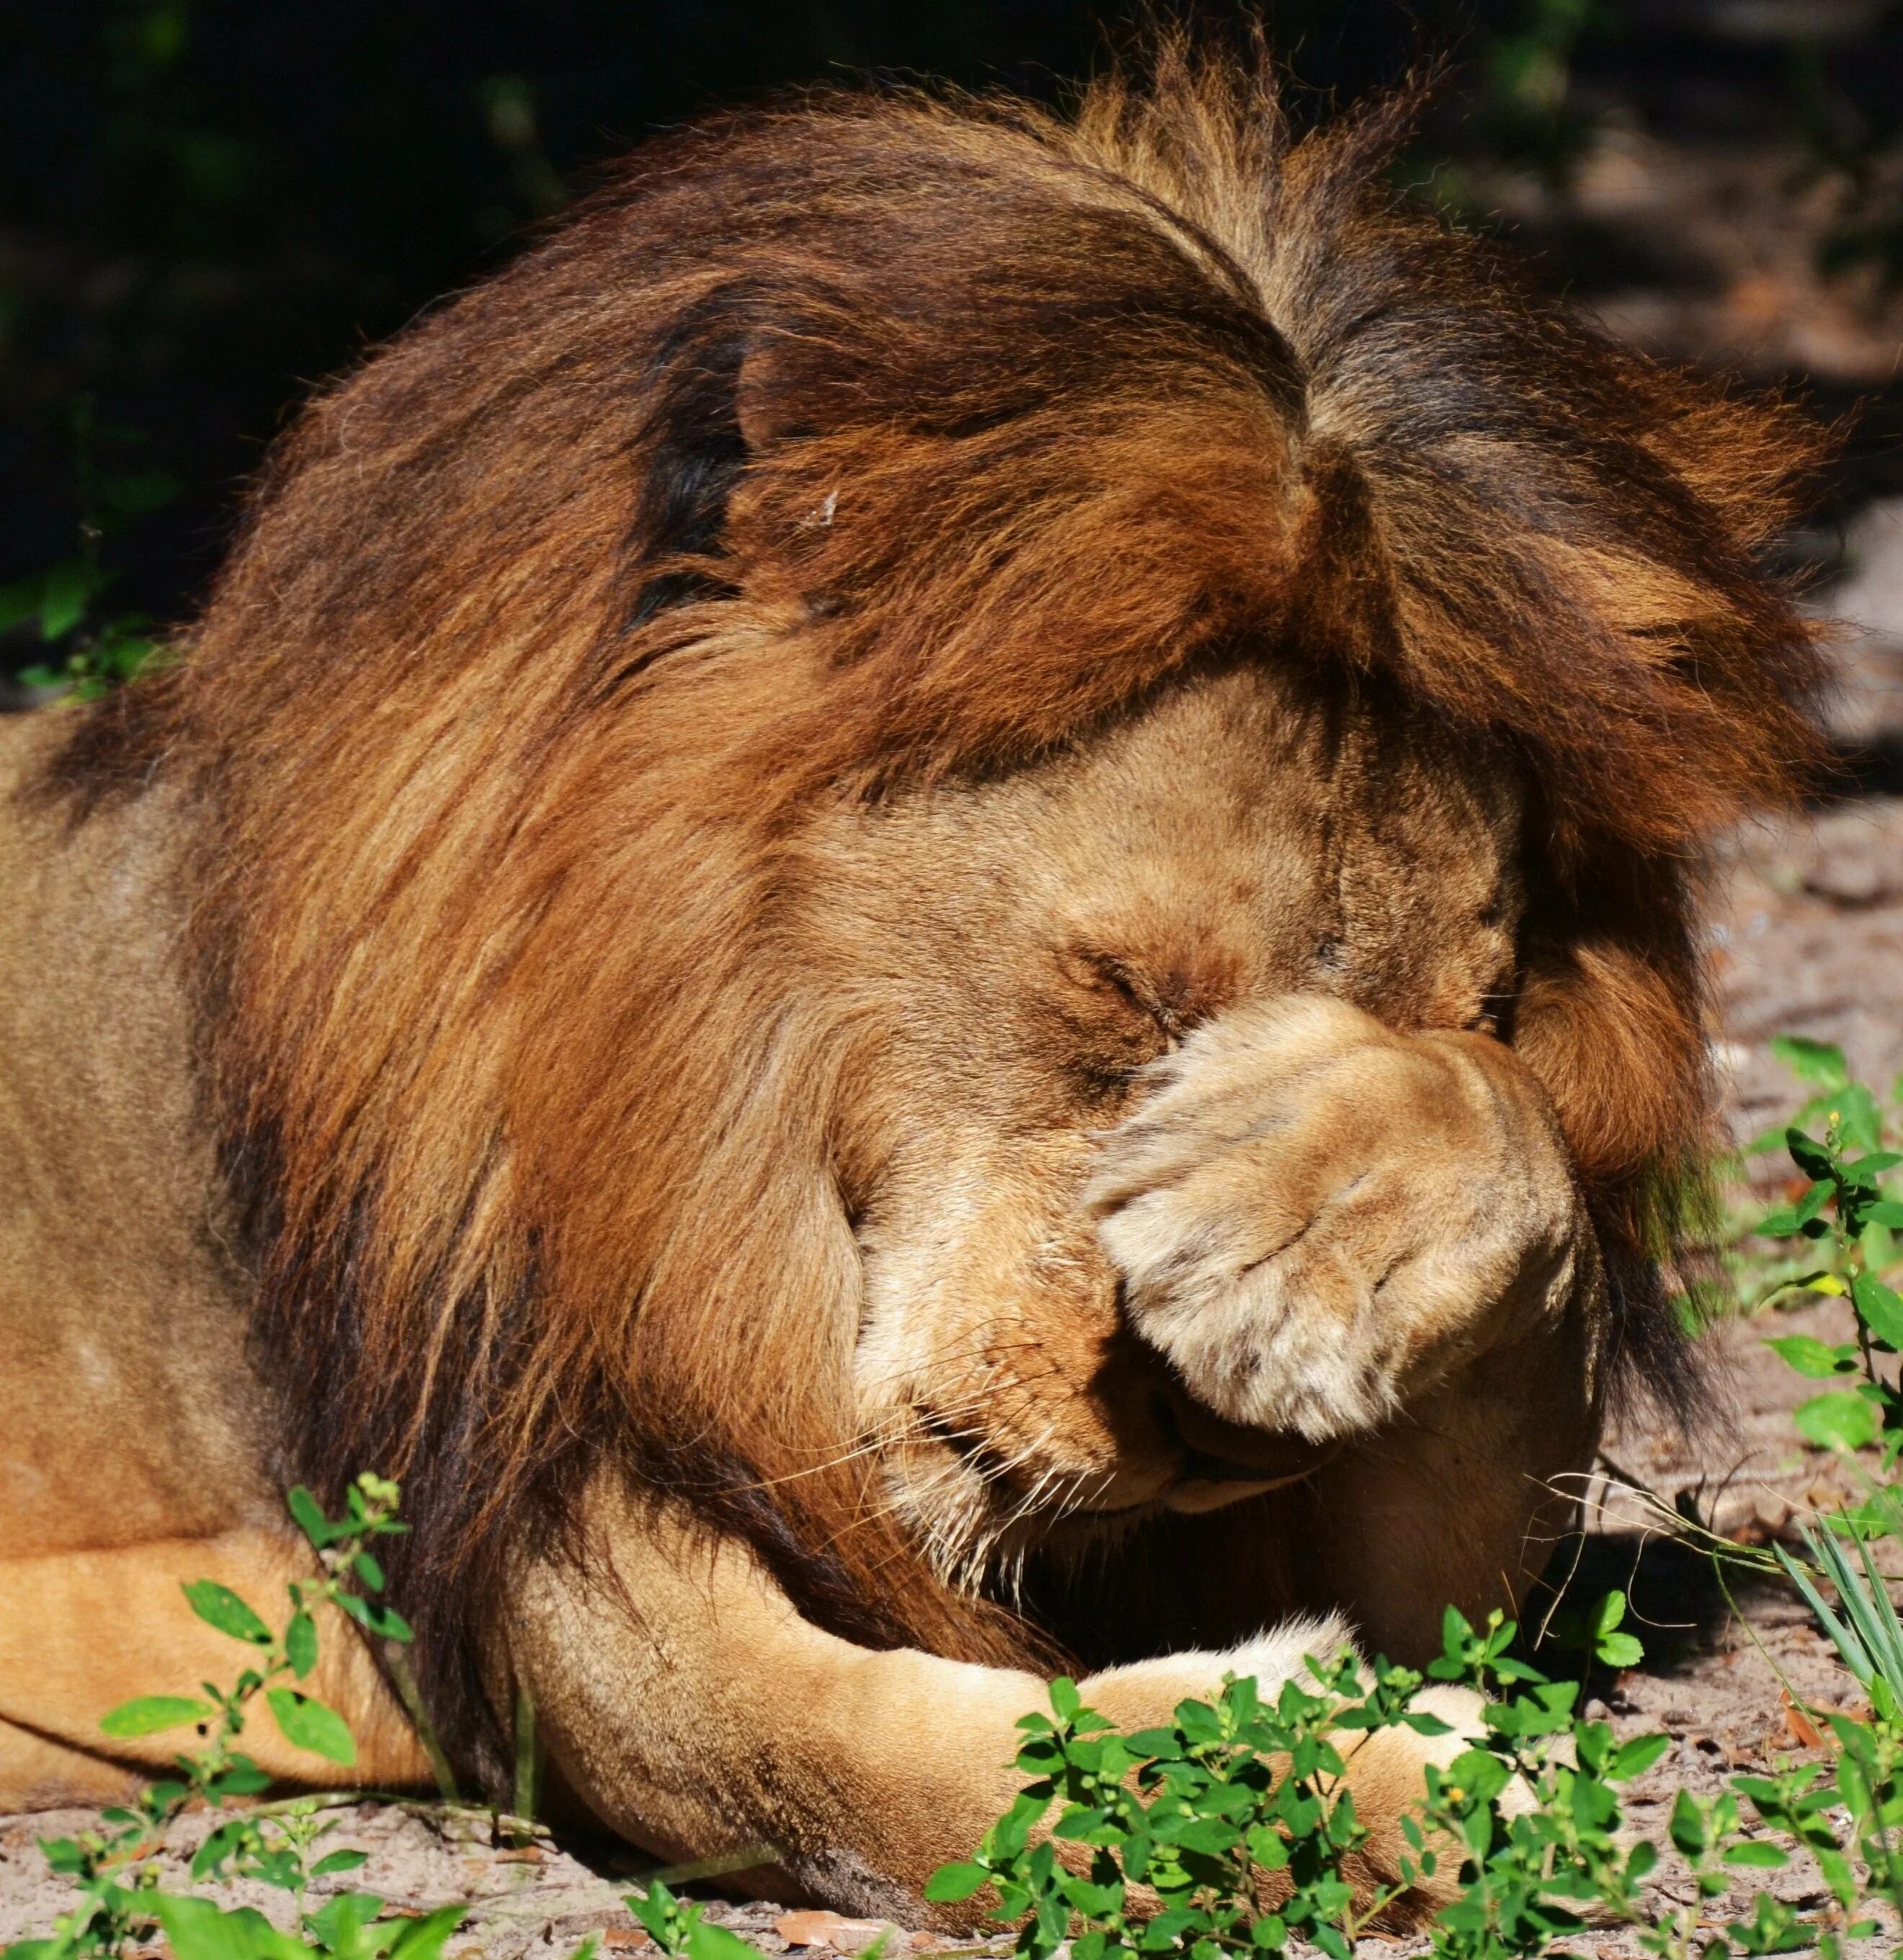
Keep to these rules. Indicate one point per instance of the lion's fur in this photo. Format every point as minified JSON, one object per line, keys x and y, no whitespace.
{"x":826,"y":450}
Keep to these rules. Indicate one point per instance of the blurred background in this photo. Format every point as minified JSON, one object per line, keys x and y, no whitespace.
{"x":208,"y":205}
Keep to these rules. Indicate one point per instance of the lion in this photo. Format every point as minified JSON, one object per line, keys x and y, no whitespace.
{"x":926,"y":911}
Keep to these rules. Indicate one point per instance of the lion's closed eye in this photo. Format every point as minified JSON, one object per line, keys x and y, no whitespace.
{"x":1167,"y":1003}
{"x":1107,"y":1018}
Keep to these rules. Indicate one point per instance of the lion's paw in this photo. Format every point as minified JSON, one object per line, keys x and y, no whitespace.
{"x":1314,"y":1216}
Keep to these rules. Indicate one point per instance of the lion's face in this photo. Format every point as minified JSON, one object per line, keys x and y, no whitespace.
{"x":1169,"y":1163}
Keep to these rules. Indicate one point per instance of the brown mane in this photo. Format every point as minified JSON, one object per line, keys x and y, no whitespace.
{"x":823,"y":451}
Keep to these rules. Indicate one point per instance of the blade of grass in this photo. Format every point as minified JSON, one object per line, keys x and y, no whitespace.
{"x":1847,"y":1643}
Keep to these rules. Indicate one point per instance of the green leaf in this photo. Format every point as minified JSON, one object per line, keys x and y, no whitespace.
{"x":307,"y":1724}
{"x":1210,"y":1835}
{"x":228,"y":1838}
{"x":140,"y":490}
{"x":372,"y":1615}
{"x":67,"y":590}
{"x":1633,"y":1758}
{"x":310,"y":1519}
{"x":1878,"y":1308}
{"x":1614,"y":1649}
{"x":1859,"y":1120}
{"x":339,"y":1861}
{"x":300,"y":1643}
{"x":1809,"y":1155}
{"x":713,"y":1943}
{"x":1620,"y":1650}
{"x":1811,"y":1357}
{"x":21,"y":600}
{"x":1812,"y":1060}
{"x":653,"y":1908}
{"x":218,"y":1606}
{"x":339,"y":1927}
{"x":196,"y":1930}
{"x":1755,"y":1852}
{"x":1884,"y":1211}
{"x":369,"y":1570}
{"x":151,"y":1714}
{"x":1154,"y":1742}
{"x":951,"y":1883}
{"x":424,"y":1939}
{"x":1843,"y":1420}
{"x":1065,"y":1700}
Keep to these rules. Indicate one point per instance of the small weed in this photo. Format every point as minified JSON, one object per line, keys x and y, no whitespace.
{"x":121,"y":1903}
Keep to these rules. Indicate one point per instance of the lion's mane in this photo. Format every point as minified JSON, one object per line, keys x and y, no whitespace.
{"x":824,"y":451}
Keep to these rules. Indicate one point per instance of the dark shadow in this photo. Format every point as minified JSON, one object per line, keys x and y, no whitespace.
{"x":1675,"y":1604}
{"x":1868,"y":769}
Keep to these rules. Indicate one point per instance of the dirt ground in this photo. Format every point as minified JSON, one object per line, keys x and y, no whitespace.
{"x":1807,"y":926}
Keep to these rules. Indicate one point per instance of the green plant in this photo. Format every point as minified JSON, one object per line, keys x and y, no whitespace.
{"x":120,"y":1901}
{"x":1525,"y":107}
{"x":1192,"y":1811}
{"x":1237,"y":1802}
{"x":93,"y":650}
{"x":681,"y":1932}
{"x":1869,"y":1640}
{"x":1842,"y":1220}
{"x":1597,"y":1634}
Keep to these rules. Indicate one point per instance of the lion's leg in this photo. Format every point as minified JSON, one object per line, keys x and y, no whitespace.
{"x":690,"y":1707}
{"x":81,"y":1631}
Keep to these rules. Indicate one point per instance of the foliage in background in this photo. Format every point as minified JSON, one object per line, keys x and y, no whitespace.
{"x":208,"y":205}
{"x":1842,"y":1224}
{"x":92,"y":649}
{"x":1527,"y":113}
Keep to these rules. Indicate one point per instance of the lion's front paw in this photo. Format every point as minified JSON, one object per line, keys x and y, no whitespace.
{"x":1315,"y":1216}
{"x":1143,"y":1693}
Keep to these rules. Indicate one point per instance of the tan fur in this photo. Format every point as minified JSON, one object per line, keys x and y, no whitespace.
{"x":927,"y":908}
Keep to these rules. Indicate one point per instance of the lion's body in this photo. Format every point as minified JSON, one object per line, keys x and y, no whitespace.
{"x":927,"y":905}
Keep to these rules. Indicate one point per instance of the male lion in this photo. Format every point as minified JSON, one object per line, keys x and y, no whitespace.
{"x":927,"y":907}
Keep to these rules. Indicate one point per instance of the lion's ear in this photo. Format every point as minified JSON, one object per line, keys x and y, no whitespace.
{"x":693,"y":448}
